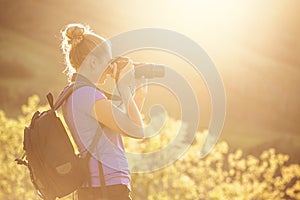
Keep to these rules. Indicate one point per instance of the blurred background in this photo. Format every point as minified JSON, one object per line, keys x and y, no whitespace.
{"x":254,"y":44}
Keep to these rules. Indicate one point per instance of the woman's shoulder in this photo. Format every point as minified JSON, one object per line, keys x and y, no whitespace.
{"x":89,"y":92}
{"x":84,"y":97}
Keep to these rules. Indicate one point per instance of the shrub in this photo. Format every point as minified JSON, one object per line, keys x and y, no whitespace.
{"x":223,"y":174}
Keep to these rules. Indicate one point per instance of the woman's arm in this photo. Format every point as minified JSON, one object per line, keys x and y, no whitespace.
{"x":128,"y":123}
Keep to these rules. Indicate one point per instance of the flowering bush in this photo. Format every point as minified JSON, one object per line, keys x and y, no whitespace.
{"x":223,"y":174}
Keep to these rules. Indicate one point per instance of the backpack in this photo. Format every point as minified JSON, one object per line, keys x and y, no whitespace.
{"x":55,"y":170}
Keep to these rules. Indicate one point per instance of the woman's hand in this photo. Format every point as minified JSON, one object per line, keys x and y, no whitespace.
{"x":117,"y":65}
{"x":125,"y":79}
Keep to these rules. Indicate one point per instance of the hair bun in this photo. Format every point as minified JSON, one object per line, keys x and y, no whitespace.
{"x":75,"y":33}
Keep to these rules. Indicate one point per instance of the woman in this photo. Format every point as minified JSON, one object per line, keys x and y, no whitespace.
{"x":89,"y":112}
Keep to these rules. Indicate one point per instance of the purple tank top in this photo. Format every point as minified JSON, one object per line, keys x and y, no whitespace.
{"x":80,"y":118}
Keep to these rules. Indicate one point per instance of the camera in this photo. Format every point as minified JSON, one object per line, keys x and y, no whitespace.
{"x":150,"y":71}
{"x":146,"y":70}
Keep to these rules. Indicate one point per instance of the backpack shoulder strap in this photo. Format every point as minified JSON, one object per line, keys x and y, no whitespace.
{"x":64,"y":94}
{"x":61,"y":97}
{"x":78,"y":81}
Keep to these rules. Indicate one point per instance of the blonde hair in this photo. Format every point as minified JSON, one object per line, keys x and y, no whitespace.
{"x":78,"y":41}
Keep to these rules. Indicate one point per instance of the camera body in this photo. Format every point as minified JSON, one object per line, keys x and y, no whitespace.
{"x":146,"y":70}
{"x":150,"y":71}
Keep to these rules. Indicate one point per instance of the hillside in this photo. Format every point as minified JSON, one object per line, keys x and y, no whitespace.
{"x":254,"y":45}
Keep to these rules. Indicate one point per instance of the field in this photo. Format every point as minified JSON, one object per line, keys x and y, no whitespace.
{"x":254,"y":45}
